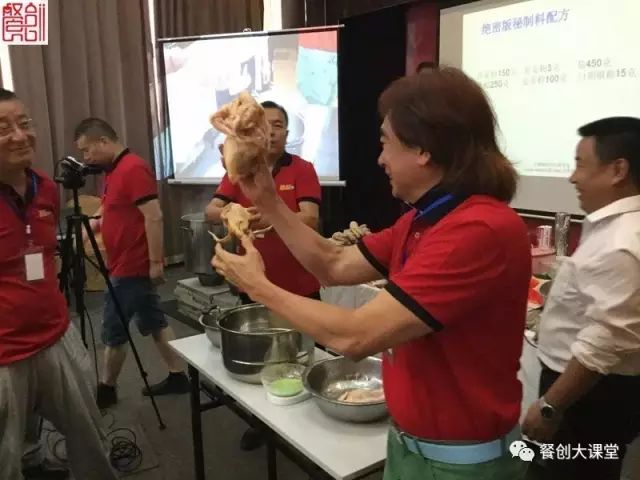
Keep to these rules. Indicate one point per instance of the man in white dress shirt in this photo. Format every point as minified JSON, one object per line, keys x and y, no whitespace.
{"x":589,"y":339}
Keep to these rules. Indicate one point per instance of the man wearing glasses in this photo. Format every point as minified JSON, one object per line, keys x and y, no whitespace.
{"x":39,"y":371}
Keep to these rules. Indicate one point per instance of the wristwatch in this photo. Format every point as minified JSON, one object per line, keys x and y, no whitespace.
{"x":547,"y":410}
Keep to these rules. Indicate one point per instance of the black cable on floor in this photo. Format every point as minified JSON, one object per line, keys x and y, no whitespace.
{"x":107,"y":414}
{"x":125,"y":454}
{"x":55,"y":441}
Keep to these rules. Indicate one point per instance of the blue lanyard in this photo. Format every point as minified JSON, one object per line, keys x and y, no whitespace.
{"x":436,"y":204}
{"x":34,"y":183}
{"x":421,"y":213}
{"x":34,"y":192}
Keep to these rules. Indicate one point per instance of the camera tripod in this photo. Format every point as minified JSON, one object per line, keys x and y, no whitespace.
{"x":73,"y":261}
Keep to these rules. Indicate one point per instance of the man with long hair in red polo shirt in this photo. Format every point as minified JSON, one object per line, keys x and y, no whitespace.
{"x":451,"y":318}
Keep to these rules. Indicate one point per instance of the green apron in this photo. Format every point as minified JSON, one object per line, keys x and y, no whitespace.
{"x":403,"y":465}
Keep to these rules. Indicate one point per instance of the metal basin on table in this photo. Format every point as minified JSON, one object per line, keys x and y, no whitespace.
{"x":253,"y":337}
{"x":328,"y":379}
{"x":209,"y":320}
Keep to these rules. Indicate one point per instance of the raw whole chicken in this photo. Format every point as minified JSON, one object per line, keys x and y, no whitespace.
{"x":243,"y":122}
{"x":237,"y":220}
{"x":362,"y":395}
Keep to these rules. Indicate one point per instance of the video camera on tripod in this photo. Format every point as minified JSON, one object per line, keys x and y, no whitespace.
{"x":72,"y":173}
{"x":72,"y":176}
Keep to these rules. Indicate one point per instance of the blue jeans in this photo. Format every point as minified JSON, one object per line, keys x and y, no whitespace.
{"x":137,"y":296}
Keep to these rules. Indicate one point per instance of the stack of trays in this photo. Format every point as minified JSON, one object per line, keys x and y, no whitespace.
{"x":193,"y":298}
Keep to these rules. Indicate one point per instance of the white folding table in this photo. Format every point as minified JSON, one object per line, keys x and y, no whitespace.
{"x":321,"y":446}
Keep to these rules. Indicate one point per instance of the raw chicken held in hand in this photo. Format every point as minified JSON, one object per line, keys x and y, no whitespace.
{"x":237,"y":220}
{"x":243,"y":122}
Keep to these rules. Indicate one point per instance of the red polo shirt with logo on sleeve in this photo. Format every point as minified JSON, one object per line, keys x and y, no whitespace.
{"x":296,"y":181}
{"x":463,"y":267}
{"x":33,"y":315}
{"x":129,"y":184}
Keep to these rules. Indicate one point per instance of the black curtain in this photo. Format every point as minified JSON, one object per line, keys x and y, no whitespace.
{"x":372,"y":50}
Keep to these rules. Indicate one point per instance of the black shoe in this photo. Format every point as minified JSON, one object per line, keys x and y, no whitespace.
{"x":45,"y":471}
{"x":251,"y":439}
{"x":106,"y":396}
{"x":175,"y":383}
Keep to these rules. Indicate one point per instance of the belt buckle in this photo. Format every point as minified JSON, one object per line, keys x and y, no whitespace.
{"x":397,"y":434}
{"x":407,"y":440}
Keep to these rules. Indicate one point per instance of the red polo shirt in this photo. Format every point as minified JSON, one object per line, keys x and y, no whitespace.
{"x":296,"y":181}
{"x":129,"y":184}
{"x":33,"y":315}
{"x":464,"y":269}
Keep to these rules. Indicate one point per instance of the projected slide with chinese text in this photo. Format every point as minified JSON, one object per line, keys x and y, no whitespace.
{"x":550,"y":66}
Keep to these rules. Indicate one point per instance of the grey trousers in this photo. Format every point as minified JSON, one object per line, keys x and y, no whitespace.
{"x":33,"y":448}
{"x":52,"y":384}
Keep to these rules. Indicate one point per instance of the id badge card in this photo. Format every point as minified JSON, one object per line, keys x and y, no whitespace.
{"x":34,"y":263}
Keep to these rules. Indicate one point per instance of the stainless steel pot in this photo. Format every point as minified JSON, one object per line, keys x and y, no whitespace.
{"x":198,"y":247}
{"x":253,"y":337}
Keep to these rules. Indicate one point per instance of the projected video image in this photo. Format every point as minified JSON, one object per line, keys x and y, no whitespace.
{"x":296,"y":70}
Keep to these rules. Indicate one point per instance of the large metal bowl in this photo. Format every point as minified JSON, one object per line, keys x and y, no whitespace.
{"x":253,"y":337}
{"x":327,"y":379}
{"x":209,"y":320}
